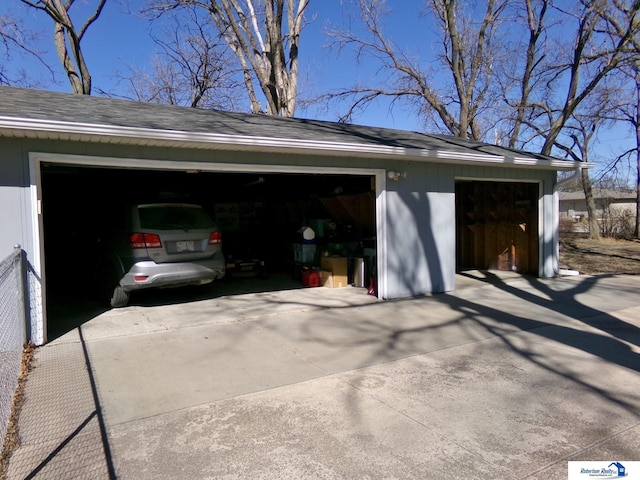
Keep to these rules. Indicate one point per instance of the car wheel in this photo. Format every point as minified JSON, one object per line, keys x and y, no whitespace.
{"x":109,"y":290}
{"x":119,"y":298}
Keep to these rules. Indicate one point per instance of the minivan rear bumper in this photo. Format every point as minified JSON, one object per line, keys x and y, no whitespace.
{"x":148,"y":274}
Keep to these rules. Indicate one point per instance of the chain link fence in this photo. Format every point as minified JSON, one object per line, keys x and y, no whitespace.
{"x":19,"y":324}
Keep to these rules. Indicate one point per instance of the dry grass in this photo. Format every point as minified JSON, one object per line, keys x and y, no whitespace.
{"x":605,"y":256}
{"x":12,"y":437}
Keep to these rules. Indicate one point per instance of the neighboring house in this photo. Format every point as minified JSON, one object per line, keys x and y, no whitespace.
{"x":422,"y":206}
{"x":573,"y":205}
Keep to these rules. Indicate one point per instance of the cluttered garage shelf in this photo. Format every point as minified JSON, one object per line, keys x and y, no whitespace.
{"x":332,"y":245}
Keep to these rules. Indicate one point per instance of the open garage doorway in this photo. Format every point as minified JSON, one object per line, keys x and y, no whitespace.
{"x":260,"y":214}
{"x":497,"y":226}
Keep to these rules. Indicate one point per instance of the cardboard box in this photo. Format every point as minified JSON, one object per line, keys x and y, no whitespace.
{"x":333,"y":272}
{"x":335,"y":265}
{"x":329,"y":280}
{"x":326,"y":279}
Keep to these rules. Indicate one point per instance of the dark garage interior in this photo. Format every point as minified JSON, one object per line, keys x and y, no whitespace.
{"x":261,"y":216}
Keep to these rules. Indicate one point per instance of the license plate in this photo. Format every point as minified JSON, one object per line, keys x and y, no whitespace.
{"x":184,"y":246}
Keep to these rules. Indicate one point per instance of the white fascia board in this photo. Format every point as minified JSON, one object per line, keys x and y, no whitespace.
{"x":135,"y":135}
{"x":149,"y":164}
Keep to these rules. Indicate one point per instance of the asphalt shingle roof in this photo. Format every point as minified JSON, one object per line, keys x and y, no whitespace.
{"x":41,"y":105}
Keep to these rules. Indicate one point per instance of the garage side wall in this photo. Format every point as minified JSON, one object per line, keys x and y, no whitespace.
{"x":14,"y":197}
{"x":549,"y":227}
{"x":17,"y":228}
{"x":420,"y":244}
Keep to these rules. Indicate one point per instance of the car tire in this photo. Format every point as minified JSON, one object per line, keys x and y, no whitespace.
{"x":119,"y":298}
{"x":110,"y":292}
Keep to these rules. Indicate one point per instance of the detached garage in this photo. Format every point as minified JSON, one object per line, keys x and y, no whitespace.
{"x":417,"y":207}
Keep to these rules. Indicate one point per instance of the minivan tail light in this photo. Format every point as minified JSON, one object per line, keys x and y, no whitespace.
{"x":144,"y":240}
{"x":215,"y":238}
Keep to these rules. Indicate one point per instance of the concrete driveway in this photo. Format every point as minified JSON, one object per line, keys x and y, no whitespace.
{"x":507,"y":377}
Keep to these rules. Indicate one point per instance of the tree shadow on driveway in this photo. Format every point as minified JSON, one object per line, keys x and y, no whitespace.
{"x":568,"y":321}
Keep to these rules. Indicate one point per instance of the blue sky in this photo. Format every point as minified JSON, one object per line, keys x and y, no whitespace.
{"x":119,"y":39}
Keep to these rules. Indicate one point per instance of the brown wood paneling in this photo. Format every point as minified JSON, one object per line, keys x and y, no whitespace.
{"x":497,"y":226}
{"x":358,"y":210}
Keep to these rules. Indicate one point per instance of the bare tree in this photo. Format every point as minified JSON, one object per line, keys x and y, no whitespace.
{"x":636,"y":123}
{"x":568,"y":55}
{"x":264,"y":36}
{"x":603,"y":39}
{"x":16,"y":40}
{"x":549,"y":68}
{"x":456,"y":97}
{"x":521,"y":78}
{"x":67,"y":39}
{"x":581,"y":131}
{"x":603,"y":43}
{"x":565,"y":56}
{"x":193,"y":68}
{"x":625,"y":110}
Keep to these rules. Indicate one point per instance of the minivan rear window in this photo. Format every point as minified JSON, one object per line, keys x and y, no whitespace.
{"x":174,"y":217}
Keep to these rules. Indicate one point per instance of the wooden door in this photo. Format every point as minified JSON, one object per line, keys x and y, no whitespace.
{"x":497,"y":226}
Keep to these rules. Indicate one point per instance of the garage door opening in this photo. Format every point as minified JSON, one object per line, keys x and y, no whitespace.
{"x":497,"y":226}
{"x":261,"y":216}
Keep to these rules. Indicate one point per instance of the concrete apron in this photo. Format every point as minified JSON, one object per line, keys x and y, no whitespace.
{"x":507,"y":380}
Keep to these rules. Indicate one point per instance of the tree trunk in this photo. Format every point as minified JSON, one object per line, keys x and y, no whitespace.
{"x":637,"y":121}
{"x":592,"y":214}
{"x":637,"y":230}
{"x":637,"y":225}
{"x":77,"y":84}
{"x":262,"y":54}
{"x":66,"y":37}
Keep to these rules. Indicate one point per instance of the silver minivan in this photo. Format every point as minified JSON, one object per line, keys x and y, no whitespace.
{"x":159,"y":245}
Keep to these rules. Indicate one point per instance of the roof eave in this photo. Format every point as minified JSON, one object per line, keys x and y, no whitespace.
{"x":95,"y":133}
